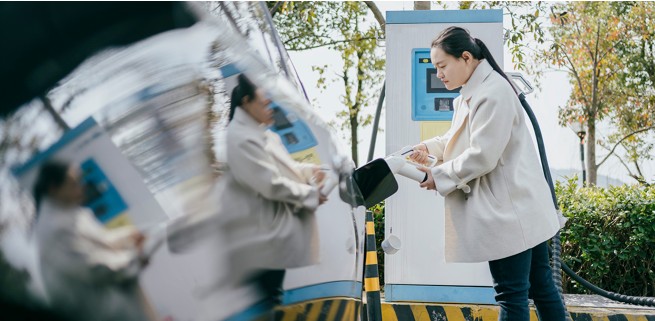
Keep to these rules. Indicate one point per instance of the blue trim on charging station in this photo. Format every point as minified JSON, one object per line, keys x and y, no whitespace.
{"x":69,"y":136}
{"x":349,"y":289}
{"x":439,"y":293}
{"x":229,"y":70}
{"x":444,"y":16}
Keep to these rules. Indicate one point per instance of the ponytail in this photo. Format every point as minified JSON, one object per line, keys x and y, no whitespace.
{"x":51,"y":174}
{"x":455,"y":40}
{"x":486,"y":54}
{"x":244,"y":88}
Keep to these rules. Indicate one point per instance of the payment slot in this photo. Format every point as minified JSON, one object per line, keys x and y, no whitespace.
{"x":431,"y":101}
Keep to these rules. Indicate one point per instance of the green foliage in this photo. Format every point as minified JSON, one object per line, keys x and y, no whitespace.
{"x":526,"y":23}
{"x":606,"y":48}
{"x":378,"y":218}
{"x":610,"y":237}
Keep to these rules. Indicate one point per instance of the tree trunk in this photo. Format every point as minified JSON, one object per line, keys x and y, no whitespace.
{"x":421,"y":5}
{"x":359,"y":104}
{"x":354,"y":126}
{"x":592,"y":168}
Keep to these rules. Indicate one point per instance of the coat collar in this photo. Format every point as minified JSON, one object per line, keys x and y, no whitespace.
{"x":242,"y":117}
{"x":474,"y":83}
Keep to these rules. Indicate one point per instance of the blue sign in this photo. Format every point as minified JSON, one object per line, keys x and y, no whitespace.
{"x":294,"y":133}
{"x":101,"y":196}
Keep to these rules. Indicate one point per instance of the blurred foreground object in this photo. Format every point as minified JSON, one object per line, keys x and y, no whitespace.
{"x":89,"y":272}
{"x":43,"y":42}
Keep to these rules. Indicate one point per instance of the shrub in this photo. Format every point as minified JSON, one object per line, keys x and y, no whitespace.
{"x":610,"y":237}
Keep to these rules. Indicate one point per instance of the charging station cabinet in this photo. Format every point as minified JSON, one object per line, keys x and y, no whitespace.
{"x":420,"y":107}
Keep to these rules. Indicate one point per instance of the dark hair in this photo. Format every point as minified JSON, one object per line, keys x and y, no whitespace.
{"x":244,"y":88}
{"x":455,"y":40}
{"x":51,"y":174}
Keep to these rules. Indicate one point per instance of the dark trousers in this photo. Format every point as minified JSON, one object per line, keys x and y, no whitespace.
{"x":527,"y":274}
{"x":270,"y":283}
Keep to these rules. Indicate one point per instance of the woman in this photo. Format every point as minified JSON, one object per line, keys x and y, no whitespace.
{"x":89,"y":272}
{"x":268,"y":200}
{"x":498,"y":205}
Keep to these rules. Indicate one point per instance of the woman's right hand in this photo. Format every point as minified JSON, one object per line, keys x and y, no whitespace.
{"x":420,"y":154}
{"x":322,"y":199}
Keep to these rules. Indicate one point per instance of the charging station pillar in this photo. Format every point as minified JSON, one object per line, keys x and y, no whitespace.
{"x":420,"y":107}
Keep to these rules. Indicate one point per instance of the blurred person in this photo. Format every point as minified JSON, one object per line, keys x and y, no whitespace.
{"x":268,"y":200}
{"x":89,"y":272}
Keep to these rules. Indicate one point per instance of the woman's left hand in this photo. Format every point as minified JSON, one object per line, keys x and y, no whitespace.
{"x":318,"y":176}
{"x":429,"y":183}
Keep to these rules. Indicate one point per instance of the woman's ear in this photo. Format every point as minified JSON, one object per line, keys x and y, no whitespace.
{"x":245,"y":100}
{"x":467,"y":56}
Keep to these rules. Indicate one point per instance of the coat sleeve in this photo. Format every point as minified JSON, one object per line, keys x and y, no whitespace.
{"x":87,"y":256}
{"x":491,"y":128}
{"x":254,"y":168}
{"x":436,"y":145}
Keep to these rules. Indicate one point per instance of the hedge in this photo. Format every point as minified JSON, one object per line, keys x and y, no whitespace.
{"x":610,"y":237}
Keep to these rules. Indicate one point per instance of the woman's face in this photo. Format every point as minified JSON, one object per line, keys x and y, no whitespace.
{"x":258,"y":108}
{"x":454,"y":72}
{"x":70,"y":192}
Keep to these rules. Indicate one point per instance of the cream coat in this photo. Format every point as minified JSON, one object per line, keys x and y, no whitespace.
{"x":88,"y":272}
{"x":267,"y":201}
{"x":497,"y":201}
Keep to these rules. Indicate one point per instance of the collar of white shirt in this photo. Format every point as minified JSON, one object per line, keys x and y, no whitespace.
{"x":475,"y":81}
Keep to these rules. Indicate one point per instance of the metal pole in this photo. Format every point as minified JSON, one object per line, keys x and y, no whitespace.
{"x":584,"y":170}
{"x":376,"y":123}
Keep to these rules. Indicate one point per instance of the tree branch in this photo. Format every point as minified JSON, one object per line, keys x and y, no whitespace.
{"x":577,"y":28}
{"x":276,"y":6}
{"x":576,"y":75}
{"x":626,"y":166}
{"x":621,"y":141}
{"x":47,"y":105}
{"x":329,"y":44}
{"x":377,"y":14}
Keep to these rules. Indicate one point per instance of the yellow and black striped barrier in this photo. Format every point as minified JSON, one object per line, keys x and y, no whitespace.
{"x":335,"y":309}
{"x":474,"y":312}
{"x":371,"y":275}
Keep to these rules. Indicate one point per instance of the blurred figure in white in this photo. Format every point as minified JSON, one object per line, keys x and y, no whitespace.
{"x":89,"y":272}
{"x":268,"y":200}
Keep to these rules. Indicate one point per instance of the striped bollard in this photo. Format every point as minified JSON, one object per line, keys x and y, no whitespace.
{"x":371,"y":275}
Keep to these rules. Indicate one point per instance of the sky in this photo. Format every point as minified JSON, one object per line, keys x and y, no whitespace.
{"x":562,"y":144}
